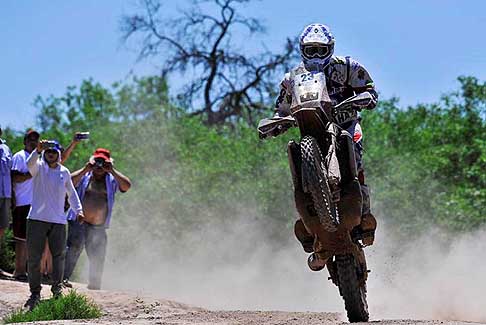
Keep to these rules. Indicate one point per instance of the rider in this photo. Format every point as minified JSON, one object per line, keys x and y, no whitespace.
{"x":345,"y":77}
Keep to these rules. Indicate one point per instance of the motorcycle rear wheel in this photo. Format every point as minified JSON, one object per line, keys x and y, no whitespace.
{"x":352,"y":289}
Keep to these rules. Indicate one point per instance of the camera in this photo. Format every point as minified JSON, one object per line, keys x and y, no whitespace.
{"x":99,"y":162}
{"x":82,"y":135}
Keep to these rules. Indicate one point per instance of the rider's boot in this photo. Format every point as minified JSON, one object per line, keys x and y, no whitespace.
{"x":368,"y":228}
{"x":306,"y":239}
{"x":317,"y":260}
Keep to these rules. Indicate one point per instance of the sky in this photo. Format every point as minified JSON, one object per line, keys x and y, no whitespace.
{"x":413,"y":49}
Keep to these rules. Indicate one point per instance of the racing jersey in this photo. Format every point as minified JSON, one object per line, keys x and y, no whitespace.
{"x":345,"y":77}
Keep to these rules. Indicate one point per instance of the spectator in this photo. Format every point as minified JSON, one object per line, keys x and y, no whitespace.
{"x":47,"y":219}
{"x":96,"y":185}
{"x":22,"y":199}
{"x":5,"y":187}
{"x":46,"y":261}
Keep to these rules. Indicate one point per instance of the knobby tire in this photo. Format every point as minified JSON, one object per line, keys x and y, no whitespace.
{"x":351,"y":289}
{"x":314,"y":176}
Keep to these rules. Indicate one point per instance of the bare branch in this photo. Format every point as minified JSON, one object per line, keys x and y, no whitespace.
{"x":232,"y":84}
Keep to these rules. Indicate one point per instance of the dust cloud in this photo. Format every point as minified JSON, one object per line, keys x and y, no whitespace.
{"x":235,"y":265}
{"x":436,"y":276}
{"x":234,"y":262}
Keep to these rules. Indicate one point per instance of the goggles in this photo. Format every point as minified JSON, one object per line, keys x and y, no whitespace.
{"x":315,"y":51}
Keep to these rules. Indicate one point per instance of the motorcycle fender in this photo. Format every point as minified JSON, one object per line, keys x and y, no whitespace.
{"x":350,"y":205}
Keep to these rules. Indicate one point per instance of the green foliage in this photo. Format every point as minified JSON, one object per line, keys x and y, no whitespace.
{"x":190,"y":175}
{"x":229,"y":163}
{"x":7,"y":252}
{"x":105,"y":112}
{"x":424,"y":164}
{"x":427,"y":162}
{"x":13,"y":138}
{"x":70,"y":306}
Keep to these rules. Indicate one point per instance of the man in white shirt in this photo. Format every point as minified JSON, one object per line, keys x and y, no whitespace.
{"x":21,"y":201}
{"x":51,"y":182}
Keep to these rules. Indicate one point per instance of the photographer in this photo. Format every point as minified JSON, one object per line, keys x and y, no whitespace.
{"x":51,"y":182}
{"x":96,"y":185}
{"x":46,"y":261}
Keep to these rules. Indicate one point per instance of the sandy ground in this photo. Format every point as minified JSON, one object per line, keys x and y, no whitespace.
{"x":131,"y":308}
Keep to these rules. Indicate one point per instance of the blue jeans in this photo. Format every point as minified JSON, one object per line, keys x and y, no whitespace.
{"x":94,"y":239}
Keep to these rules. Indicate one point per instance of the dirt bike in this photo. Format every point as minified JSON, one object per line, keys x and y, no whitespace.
{"x":326,"y":187}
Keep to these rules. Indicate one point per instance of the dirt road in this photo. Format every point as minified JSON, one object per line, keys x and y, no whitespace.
{"x":130,"y":308}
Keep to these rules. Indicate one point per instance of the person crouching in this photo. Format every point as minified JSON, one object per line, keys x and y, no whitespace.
{"x":47,"y":219}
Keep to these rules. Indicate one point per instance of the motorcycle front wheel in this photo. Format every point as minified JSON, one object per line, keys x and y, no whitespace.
{"x":314,"y":181}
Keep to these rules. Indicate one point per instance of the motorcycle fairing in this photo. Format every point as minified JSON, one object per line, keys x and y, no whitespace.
{"x":308,"y":89}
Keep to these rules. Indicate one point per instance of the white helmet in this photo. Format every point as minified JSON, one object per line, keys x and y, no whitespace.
{"x":316,"y":45}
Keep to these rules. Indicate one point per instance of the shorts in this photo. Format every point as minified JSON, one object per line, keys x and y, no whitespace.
{"x":4,"y":212}
{"x":19,"y":218}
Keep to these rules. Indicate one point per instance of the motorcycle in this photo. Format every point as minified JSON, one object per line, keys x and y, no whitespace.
{"x":326,"y":187}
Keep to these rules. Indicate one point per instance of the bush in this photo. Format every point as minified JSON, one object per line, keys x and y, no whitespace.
{"x":424,"y":164}
{"x":7,"y":253}
{"x":70,"y":306}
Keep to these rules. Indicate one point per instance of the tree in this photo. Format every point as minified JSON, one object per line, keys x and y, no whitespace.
{"x":112,"y":115}
{"x":427,"y":162}
{"x":79,"y":108}
{"x":232,"y":84}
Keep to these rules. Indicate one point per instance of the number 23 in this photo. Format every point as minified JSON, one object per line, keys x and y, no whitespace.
{"x":307,"y":77}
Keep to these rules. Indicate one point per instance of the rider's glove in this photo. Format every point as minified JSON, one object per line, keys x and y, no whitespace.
{"x":368,"y":106}
{"x":373,"y":100}
{"x":262,"y":135}
{"x":280,"y":129}
{"x":357,"y":107}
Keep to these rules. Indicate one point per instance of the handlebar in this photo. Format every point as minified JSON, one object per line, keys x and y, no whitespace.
{"x":274,"y":126}
{"x":361,"y":100}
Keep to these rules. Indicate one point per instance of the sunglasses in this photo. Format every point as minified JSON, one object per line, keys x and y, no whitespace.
{"x":316,"y":51}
